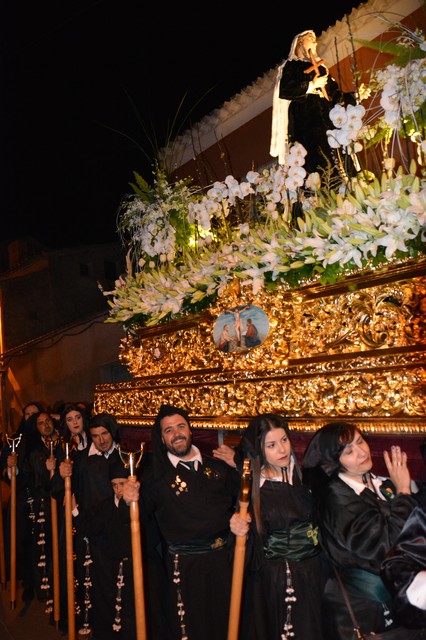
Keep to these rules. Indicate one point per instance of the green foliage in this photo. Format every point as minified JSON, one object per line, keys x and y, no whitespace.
{"x":400,"y":53}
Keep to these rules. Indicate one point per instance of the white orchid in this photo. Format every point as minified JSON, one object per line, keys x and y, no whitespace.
{"x":348,"y":123}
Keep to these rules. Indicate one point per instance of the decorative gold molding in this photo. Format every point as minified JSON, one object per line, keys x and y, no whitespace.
{"x":384,"y":427}
{"x":354,"y":350}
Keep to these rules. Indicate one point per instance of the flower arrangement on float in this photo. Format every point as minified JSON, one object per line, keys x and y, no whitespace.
{"x":185,"y":245}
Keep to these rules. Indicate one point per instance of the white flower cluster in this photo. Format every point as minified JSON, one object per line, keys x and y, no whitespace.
{"x":147,"y":219}
{"x":378,"y":219}
{"x":349,"y":126}
{"x":404,"y":91}
{"x":156,"y":234}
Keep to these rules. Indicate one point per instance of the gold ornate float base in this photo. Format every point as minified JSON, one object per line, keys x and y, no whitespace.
{"x":353,"y":350}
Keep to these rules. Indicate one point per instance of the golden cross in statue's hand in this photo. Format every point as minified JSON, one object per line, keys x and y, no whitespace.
{"x":315,"y":67}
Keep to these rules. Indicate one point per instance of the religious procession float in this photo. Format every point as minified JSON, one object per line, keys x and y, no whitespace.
{"x":235,"y":305}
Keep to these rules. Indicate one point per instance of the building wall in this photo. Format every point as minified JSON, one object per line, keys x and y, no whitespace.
{"x":56,"y":344}
{"x":52,"y":289}
{"x":63,"y":367}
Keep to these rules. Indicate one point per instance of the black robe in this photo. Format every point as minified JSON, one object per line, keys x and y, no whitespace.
{"x":57,"y":488}
{"x":282,"y":507}
{"x":110,"y":525}
{"x":406,"y":559}
{"x":104,"y":525}
{"x":35,"y":475}
{"x":308,"y":115}
{"x":25,"y":520}
{"x":91,"y":485}
{"x":357,"y":531}
{"x":192,"y":510}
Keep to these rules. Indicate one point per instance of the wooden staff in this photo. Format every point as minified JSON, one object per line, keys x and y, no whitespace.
{"x":239,"y":556}
{"x":70,"y":552}
{"x":315,"y":67}
{"x":133,"y":461}
{"x":2,"y":553}
{"x":13,"y":442}
{"x":55,"y":548}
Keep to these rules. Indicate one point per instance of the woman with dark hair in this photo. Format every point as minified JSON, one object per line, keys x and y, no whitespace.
{"x":75,"y":425}
{"x":74,"y":430}
{"x":360,"y":517}
{"x":284,"y":572}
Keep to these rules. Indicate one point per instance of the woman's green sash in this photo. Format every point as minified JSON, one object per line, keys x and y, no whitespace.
{"x":297,"y":543}
{"x":366,"y":585}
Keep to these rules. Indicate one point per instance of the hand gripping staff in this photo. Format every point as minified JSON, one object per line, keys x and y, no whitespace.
{"x":239,"y":555}
{"x":131,"y":461}
{"x":13,"y":444}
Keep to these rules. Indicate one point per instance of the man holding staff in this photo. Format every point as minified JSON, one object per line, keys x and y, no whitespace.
{"x":192,"y":497}
{"x":91,"y":484}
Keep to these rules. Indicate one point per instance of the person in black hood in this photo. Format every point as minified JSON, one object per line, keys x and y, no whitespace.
{"x":89,"y":470}
{"x":361,"y":515}
{"x":404,"y":569}
{"x":22,"y":440}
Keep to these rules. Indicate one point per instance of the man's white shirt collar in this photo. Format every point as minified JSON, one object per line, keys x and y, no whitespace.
{"x":196,"y":455}
{"x":93,"y":451}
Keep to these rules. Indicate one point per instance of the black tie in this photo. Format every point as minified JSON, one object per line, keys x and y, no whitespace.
{"x":189,"y":465}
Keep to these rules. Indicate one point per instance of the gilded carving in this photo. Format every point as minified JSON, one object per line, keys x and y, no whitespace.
{"x":355,"y":350}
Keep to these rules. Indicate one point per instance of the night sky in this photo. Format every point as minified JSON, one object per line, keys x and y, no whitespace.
{"x":91,"y":89}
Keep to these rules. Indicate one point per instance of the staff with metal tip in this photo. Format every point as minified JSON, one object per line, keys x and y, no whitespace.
{"x":55,"y":542}
{"x":239,"y":555}
{"x":12,"y":462}
{"x":70,"y":550}
{"x":131,"y":461}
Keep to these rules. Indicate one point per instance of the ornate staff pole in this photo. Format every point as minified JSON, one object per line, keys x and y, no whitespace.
{"x":239,"y":556}
{"x":55,"y":547}
{"x":13,"y":443}
{"x":70,"y":552}
{"x":131,"y":461}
